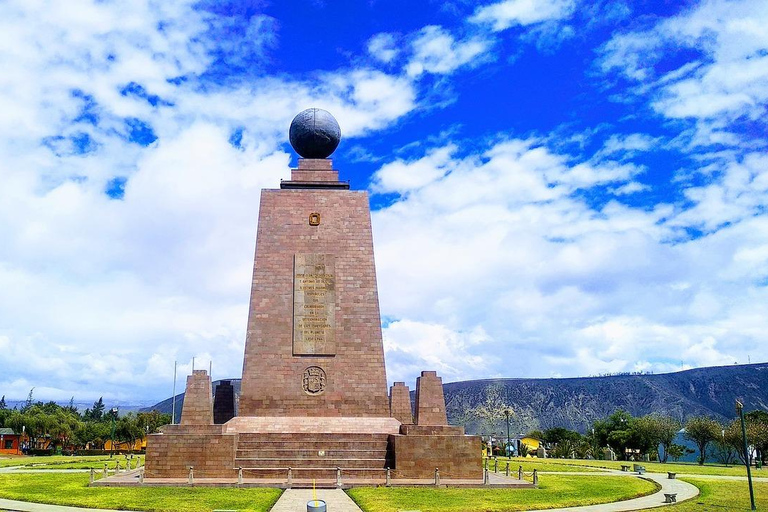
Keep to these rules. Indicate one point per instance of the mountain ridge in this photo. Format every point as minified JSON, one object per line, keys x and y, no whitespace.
{"x":575,"y":402}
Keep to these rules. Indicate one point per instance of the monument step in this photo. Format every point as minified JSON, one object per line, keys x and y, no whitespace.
{"x":327,"y":474}
{"x":312,"y":445}
{"x":309,"y":453}
{"x":324,"y":462}
{"x":318,"y":436}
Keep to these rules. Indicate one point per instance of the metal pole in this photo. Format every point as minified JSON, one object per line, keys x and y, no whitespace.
{"x":173,"y":407}
{"x":507,"y":451}
{"x":740,"y":409}
{"x":113,"y":413}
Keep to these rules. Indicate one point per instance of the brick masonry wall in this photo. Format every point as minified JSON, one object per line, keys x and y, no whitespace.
{"x":198,"y":402}
{"x":400,"y":403}
{"x":211,"y":455}
{"x":430,"y":401}
{"x":417,"y":456}
{"x":355,"y":382}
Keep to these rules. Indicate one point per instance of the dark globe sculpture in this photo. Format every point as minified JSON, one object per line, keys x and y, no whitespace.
{"x":314,"y":133}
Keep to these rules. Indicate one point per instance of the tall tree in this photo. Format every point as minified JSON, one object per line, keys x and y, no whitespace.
{"x":97,"y":412}
{"x":660,"y":431}
{"x":2,"y":403}
{"x":702,"y":430}
{"x":615,"y":431}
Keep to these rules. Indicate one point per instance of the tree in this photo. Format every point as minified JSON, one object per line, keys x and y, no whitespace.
{"x":757,"y":436}
{"x":29,"y":401}
{"x":677,"y":450}
{"x":616,"y":431}
{"x":128,"y":429}
{"x":152,"y":421}
{"x":659,"y":431}
{"x":2,"y":403}
{"x":758,"y":421}
{"x":702,"y":430}
{"x":97,"y":412}
{"x":562,"y":442}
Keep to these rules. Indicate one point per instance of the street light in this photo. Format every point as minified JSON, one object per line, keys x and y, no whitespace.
{"x":507,"y":450}
{"x":740,"y":410}
{"x":113,"y":413}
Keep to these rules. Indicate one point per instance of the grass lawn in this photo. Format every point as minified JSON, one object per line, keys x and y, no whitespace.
{"x":72,"y":490}
{"x":97,"y":464}
{"x":554,"y":491}
{"x":538,"y":464}
{"x":653,"y":467}
{"x":63,"y":461}
{"x":725,"y":495}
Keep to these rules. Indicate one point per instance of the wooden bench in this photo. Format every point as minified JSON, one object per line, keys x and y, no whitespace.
{"x":670,"y":497}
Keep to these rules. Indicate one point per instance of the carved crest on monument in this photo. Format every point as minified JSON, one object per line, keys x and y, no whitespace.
{"x":314,"y":380}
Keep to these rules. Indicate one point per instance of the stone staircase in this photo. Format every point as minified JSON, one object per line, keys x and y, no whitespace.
{"x":312,"y":456}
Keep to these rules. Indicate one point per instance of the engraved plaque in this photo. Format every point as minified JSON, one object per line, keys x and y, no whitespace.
{"x":314,"y":305}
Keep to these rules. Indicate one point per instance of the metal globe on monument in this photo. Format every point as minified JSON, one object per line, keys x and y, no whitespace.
{"x":314,"y":133}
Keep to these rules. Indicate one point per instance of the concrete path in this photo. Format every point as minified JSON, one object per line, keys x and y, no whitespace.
{"x":23,"y":506}
{"x":295,"y":500}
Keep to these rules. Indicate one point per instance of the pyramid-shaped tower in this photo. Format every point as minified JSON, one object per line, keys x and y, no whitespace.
{"x":313,"y":400}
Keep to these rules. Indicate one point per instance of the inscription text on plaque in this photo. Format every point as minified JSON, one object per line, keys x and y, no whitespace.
{"x":314,"y":305}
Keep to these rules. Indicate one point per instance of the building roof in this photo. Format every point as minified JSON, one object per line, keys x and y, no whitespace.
{"x":7,"y":431}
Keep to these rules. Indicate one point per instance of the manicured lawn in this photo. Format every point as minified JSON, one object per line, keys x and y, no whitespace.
{"x":538,"y":464}
{"x":60,"y":461}
{"x":725,"y":495}
{"x":72,"y":489}
{"x":554,"y":491}
{"x":90,"y":464}
{"x":653,"y":467}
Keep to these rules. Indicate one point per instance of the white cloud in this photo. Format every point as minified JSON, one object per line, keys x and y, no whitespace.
{"x":722,"y":80}
{"x":402,"y":177}
{"x":435,"y":50}
{"x":509,"y":13}
{"x":102,"y":294}
{"x":504,"y":243}
{"x":383,"y":47}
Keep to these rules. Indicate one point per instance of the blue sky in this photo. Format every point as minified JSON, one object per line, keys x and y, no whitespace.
{"x":559,"y":188}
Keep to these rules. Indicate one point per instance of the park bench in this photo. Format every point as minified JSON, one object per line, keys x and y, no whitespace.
{"x":625,"y":467}
{"x":671,"y":475}
{"x":640,"y":469}
{"x":670,"y":497}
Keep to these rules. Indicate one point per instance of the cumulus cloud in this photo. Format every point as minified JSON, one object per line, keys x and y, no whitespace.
{"x":708,"y":64}
{"x":506,"y":244}
{"x":509,"y":13}
{"x":383,"y":47}
{"x":435,"y":50}
{"x":130,"y":187}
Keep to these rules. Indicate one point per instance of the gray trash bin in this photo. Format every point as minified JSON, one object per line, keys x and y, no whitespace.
{"x":316,"y":506}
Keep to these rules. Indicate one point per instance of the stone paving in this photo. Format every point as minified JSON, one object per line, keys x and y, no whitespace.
{"x":295,"y":500}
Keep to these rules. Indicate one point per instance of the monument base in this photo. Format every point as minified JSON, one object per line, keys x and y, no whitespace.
{"x":313,"y":448}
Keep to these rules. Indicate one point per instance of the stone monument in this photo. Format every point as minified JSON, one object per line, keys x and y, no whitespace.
{"x":314,"y":389}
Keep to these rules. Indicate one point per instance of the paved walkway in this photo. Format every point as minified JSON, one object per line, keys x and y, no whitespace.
{"x":23,"y":506}
{"x":295,"y":500}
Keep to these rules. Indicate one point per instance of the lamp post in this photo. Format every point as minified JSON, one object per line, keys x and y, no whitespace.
{"x":507,"y":451}
{"x":113,"y":413}
{"x":740,"y":410}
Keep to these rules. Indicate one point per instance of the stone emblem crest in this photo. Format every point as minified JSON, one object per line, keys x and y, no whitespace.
{"x":314,"y":380}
